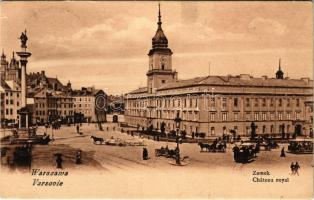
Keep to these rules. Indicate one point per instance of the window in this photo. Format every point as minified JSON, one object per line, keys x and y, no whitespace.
{"x":280,"y":103}
{"x":212,"y":130}
{"x":196,"y":103}
{"x":256,"y":102}
{"x":271,"y":128}
{"x":236,"y":116}
{"x":224,"y":116}
{"x":212,"y":102}
{"x":11,"y":102}
{"x":264,"y":116}
{"x":298,"y":102}
{"x":224,"y":102}
{"x":224,"y":130}
{"x":297,"y":115}
{"x":271,"y":116}
{"x":235,"y":102}
{"x":6,"y":101}
{"x":18,"y":103}
{"x":288,"y":116}
{"x":190,"y":103}
{"x":288,"y":102}
{"x":11,"y":111}
{"x":264,"y":102}
{"x":271,"y":102}
{"x":163,"y":81}
{"x":264,"y":129}
{"x":247,"y":102}
{"x":255,"y":116}
{"x":212,"y":117}
{"x":280,"y":116}
{"x":185,"y":103}
{"x":248,"y":116}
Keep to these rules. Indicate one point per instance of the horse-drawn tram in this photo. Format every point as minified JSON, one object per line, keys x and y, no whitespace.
{"x":301,"y":146}
{"x":245,"y":152}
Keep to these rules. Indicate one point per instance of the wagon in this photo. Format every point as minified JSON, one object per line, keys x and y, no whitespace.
{"x":115,"y":142}
{"x":135,"y":142}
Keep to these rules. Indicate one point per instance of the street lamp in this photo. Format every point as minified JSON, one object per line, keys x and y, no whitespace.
{"x":178,"y":122}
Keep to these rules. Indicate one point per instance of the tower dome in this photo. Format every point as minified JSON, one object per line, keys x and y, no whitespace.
{"x":159,"y":40}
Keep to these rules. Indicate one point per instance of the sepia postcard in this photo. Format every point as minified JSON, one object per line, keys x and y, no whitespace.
{"x":156,"y":99}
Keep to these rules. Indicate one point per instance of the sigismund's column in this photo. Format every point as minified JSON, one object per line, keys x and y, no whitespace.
{"x":23,"y":54}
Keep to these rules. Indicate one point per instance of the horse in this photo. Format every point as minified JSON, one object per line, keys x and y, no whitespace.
{"x":97,"y":139}
{"x":206,"y":146}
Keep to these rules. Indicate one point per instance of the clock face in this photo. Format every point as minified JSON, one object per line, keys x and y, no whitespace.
{"x":163,"y":59}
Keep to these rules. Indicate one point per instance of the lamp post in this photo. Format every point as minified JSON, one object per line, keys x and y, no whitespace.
{"x":178,"y":122}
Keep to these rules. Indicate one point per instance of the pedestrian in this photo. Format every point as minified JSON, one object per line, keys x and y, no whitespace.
{"x":59,"y":160}
{"x":77,"y":129}
{"x":292,"y":168}
{"x":296,"y":168}
{"x":78,"y":157}
{"x":145,"y":154}
{"x":283,"y":152}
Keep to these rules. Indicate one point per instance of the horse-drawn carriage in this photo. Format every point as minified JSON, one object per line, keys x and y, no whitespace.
{"x":219,"y":146}
{"x":112,"y":141}
{"x":301,"y":146}
{"x":166,"y":152}
{"x":244,"y":153}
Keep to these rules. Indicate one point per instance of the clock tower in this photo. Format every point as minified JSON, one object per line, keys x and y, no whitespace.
{"x":160,"y":61}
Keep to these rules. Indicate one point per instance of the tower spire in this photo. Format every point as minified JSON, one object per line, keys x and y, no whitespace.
{"x":159,"y":16}
{"x":279,"y":63}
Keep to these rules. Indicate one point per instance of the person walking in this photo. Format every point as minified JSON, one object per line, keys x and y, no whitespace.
{"x":292,"y":168}
{"x":296,"y":168}
{"x":145,"y":154}
{"x":283,"y":152}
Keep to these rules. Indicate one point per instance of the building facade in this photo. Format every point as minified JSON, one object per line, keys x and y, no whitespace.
{"x":10,"y":101}
{"x":215,"y":105}
{"x":90,"y":102}
{"x":50,"y":105}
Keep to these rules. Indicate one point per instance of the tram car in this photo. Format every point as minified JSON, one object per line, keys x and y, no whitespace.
{"x":301,"y":146}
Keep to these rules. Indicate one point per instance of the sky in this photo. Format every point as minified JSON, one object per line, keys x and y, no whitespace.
{"x":105,"y":44}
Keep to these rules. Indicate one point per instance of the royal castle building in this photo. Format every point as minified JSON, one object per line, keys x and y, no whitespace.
{"x":215,"y":105}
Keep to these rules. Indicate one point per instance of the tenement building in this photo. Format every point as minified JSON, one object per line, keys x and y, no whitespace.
{"x":91,"y":103}
{"x":218,"y":104}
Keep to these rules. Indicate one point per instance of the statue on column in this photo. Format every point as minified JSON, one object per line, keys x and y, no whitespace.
{"x":23,"y":39}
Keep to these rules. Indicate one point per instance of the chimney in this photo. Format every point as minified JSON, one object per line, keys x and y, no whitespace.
{"x":264,"y":77}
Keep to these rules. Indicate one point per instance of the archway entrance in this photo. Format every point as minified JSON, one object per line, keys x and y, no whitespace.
{"x":115,"y":119}
{"x":298,"y":129}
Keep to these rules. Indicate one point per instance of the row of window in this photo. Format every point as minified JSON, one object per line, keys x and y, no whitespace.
{"x":9,"y":111}
{"x":11,"y":102}
{"x":80,"y":99}
{"x":257,"y":116}
{"x":11,"y":94}
{"x":193,"y":102}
